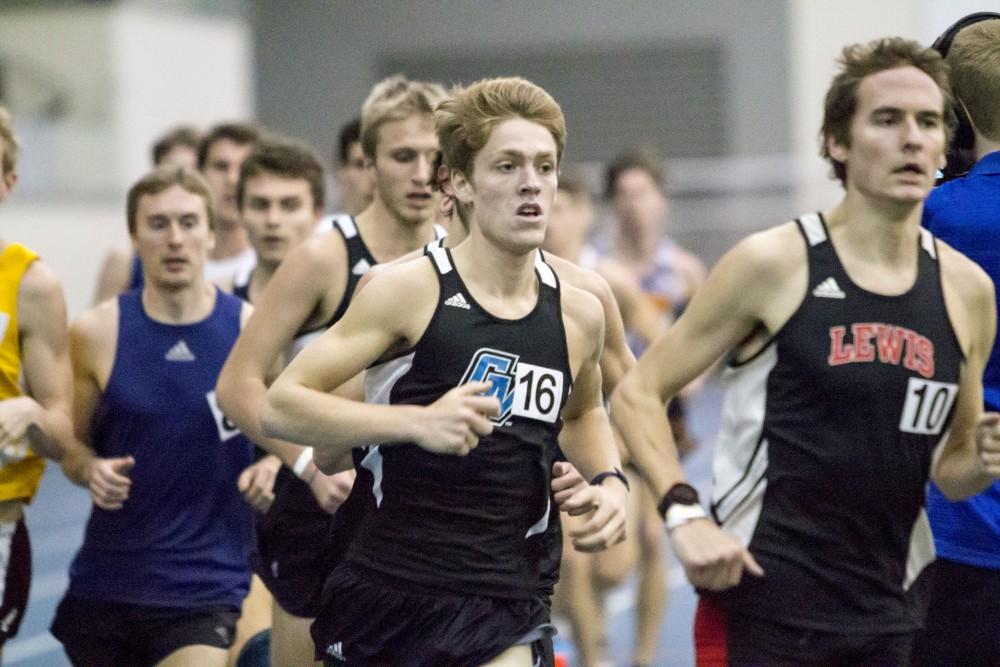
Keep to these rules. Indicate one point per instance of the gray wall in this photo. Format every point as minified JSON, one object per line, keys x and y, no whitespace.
{"x":317,"y":59}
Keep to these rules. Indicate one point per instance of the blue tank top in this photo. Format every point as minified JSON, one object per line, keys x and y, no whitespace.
{"x":184,"y":535}
{"x":135,"y":280}
{"x":965,"y":214}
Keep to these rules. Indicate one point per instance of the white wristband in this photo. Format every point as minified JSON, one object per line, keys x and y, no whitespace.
{"x":678,"y":515}
{"x":300,"y":463}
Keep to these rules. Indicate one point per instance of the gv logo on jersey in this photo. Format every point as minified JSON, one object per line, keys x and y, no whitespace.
{"x":524,"y":390}
{"x":498,"y":368}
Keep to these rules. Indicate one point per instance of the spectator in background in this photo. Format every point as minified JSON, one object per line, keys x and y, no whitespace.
{"x":353,"y":174}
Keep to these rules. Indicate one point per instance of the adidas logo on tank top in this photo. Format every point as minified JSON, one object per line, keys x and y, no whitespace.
{"x":458,"y":301}
{"x":179,"y":352}
{"x":829,"y":289}
{"x":361,"y":267}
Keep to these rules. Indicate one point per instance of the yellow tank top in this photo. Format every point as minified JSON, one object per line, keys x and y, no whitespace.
{"x":20,"y":468}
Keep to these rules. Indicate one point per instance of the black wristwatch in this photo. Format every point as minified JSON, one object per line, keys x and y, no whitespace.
{"x":678,"y":494}
{"x":601,"y":476}
{"x":679,"y":506}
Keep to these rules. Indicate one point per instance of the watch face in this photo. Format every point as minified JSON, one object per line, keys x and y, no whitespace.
{"x":683,"y":494}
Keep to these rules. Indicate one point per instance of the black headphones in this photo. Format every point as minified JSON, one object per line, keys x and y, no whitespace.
{"x":960,"y":156}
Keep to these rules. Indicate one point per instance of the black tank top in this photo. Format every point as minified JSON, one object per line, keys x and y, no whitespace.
{"x":343,"y":525}
{"x":359,"y":260}
{"x":826,"y":445}
{"x":470,"y":525}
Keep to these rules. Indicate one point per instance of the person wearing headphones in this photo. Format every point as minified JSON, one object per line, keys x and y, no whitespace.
{"x":964,"y":610}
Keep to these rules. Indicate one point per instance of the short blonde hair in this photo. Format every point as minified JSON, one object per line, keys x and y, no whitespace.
{"x":974,"y":58}
{"x":396,"y":98}
{"x":10,"y":145}
{"x":164,"y":178}
{"x":465,"y":122}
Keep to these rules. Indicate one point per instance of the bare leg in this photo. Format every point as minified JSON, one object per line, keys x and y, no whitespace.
{"x":515,"y":656}
{"x":577,"y":599}
{"x":291,"y":643}
{"x":256,"y":616}
{"x":651,"y":599}
{"x":197,"y":655}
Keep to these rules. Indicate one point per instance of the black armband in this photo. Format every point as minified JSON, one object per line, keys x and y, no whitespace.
{"x":601,"y":476}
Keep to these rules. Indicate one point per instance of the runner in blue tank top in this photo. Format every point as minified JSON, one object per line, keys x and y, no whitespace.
{"x":164,"y":565}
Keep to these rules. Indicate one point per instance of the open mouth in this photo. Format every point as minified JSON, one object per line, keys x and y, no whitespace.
{"x":419,"y":197}
{"x":529,"y":210}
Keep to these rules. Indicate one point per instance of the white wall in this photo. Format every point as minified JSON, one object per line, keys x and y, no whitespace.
{"x":69,"y":48}
{"x":172,"y":68}
{"x":131,"y":73}
{"x":70,"y":237}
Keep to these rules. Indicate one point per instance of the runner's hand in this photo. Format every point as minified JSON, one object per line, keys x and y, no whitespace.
{"x":566,"y":480}
{"x":454,"y":423}
{"x":605,"y":526}
{"x":712,"y":558}
{"x":109,"y":482}
{"x":16,"y":415}
{"x":988,"y":443}
{"x":330,"y":491}
{"x":256,"y":482}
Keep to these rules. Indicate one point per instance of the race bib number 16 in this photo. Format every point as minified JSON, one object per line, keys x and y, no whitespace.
{"x":537,"y":392}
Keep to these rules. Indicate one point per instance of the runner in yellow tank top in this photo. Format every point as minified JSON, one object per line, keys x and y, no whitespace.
{"x":35,"y":393}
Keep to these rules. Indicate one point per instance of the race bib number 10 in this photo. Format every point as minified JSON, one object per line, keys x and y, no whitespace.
{"x":927,"y":406}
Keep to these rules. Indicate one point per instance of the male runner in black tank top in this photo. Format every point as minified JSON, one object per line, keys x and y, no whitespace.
{"x":460,"y":584}
{"x":280,"y":196}
{"x":616,"y":359}
{"x":857,"y":344}
{"x":311,"y":288}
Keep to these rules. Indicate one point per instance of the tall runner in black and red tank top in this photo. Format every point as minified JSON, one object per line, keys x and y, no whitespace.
{"x":471,"y":355}
{"x":857,"y":343}
{"x":307,"y":291}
